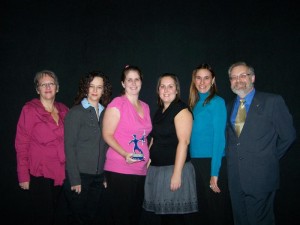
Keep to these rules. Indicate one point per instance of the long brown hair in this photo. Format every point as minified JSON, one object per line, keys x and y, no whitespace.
{"x":194,"y":96}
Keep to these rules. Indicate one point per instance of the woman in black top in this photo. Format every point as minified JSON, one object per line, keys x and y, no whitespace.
{"x":170,"y":188}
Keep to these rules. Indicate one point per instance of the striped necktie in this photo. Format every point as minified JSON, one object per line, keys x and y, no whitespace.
{"x":240,"y":117}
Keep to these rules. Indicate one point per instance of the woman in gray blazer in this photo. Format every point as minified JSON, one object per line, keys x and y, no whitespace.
{"x":85,"y":148}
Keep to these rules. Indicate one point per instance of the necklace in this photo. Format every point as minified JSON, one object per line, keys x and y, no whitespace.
{"x":50,"y":111}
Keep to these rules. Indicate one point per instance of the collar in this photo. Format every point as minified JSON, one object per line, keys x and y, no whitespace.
{"x":203,"y":96}
{"x":85,"y":104}
{"x":248,"y":98}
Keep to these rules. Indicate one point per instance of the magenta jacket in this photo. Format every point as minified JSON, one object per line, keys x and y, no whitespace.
{"x":40,"y":143}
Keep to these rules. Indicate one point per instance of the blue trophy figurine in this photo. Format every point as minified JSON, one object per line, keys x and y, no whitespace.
{"x":137,"y":151}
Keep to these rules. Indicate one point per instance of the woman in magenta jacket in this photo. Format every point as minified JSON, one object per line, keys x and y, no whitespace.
{"x":39,"y":146}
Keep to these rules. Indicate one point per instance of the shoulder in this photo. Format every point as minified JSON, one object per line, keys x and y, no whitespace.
{"x":34,"y":103}
{"x":179,"y":106}
{"x":266,"y":96}
{"x":218,"y":100}
{"x":75,"y":111}
{"x":78,"y":108}
{"x":62,"y":107}
{"x":117,"y":102}
{"x":217,"y":107}
{"x":32,"y":107}
{"x":183,"y":113}
{"x":144,"y":104}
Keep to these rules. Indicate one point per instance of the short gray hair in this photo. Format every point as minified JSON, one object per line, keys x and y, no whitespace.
{"x":43,"y":73}
{"x":251,"y":69}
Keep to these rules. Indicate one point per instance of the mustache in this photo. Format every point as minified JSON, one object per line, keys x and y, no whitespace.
{"x":242,"y":87}
{"x":239,"y":84}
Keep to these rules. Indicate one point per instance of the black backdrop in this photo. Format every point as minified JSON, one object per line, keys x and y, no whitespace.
{"x":72,"y":37}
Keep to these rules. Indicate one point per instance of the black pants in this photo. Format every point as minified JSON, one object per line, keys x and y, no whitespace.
{"x":253,"y":208}
{"x":85,"y":208}
{"x":125,"y":196}
{"x":214,"y":208}
{"x":44,"y":198}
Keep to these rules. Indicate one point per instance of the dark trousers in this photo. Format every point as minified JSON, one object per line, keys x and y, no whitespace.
{"x":125,"y":198}
{"x":253,"y":209}
{"x":214,"y":208}
{"x":85,"y":208}
{"x":172,"y":219}
{"x":44,"y":198}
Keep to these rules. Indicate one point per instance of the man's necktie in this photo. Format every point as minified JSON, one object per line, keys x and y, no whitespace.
{"x":240,"y":117}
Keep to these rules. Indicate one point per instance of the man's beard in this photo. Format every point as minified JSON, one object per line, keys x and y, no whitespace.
{"x":241,"y":88}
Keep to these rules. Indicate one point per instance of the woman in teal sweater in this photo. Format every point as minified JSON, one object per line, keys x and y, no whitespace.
{"x":207,"y":148}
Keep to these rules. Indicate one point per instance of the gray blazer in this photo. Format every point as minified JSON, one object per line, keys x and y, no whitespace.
{"x":253,"y":157}
{"x":84,"y":146}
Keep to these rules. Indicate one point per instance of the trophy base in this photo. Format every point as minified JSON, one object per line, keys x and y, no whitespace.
{"x":138,"y":157}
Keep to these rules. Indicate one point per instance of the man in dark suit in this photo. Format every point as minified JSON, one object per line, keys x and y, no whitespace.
{"x":256,"y":139}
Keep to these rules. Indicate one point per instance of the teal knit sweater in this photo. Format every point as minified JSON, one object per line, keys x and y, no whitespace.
{"x":208,"y":133}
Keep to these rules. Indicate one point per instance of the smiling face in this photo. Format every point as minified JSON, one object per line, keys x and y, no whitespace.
{"x":167,"y":90}
{"x":47,"y":88}
{"x":203,"y":80}
{"x":95,"y":90}
{"x":241,"y":80}
{"x":132,"y":83}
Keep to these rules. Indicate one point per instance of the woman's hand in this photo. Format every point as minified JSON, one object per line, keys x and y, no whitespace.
{"x":175,"y":182}
{"x":129,"y":159}
{"x":214,"y":184}
{"x":24,"y":185}
{"x":76,"y":188}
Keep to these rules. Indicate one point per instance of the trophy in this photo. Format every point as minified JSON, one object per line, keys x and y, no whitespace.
{"x":137,"y":152}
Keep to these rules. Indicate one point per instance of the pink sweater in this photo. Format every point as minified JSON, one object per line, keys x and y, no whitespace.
{"x":130,"y":133}
{"x":39,"y":143}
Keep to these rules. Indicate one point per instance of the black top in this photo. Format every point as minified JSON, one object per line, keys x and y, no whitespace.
{"x":165,"y":141}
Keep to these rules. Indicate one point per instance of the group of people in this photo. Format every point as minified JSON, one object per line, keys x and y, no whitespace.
{"x":192,"y":163}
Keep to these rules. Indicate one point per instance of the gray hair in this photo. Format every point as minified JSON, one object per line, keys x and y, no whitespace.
{"x":251,"y":69}
{"x":43,"y":73}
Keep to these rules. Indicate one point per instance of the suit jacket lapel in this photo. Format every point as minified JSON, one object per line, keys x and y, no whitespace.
{"x":229,"y":112}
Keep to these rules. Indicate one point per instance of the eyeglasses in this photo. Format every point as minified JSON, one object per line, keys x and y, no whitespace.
{"x":45,"y":85}
{"x":241,"y":76}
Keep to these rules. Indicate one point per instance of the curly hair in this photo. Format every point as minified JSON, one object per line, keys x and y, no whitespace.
{"x":84,"y":85}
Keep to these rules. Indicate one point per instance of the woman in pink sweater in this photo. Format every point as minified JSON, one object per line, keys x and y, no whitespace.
{"x":126,"y":125}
